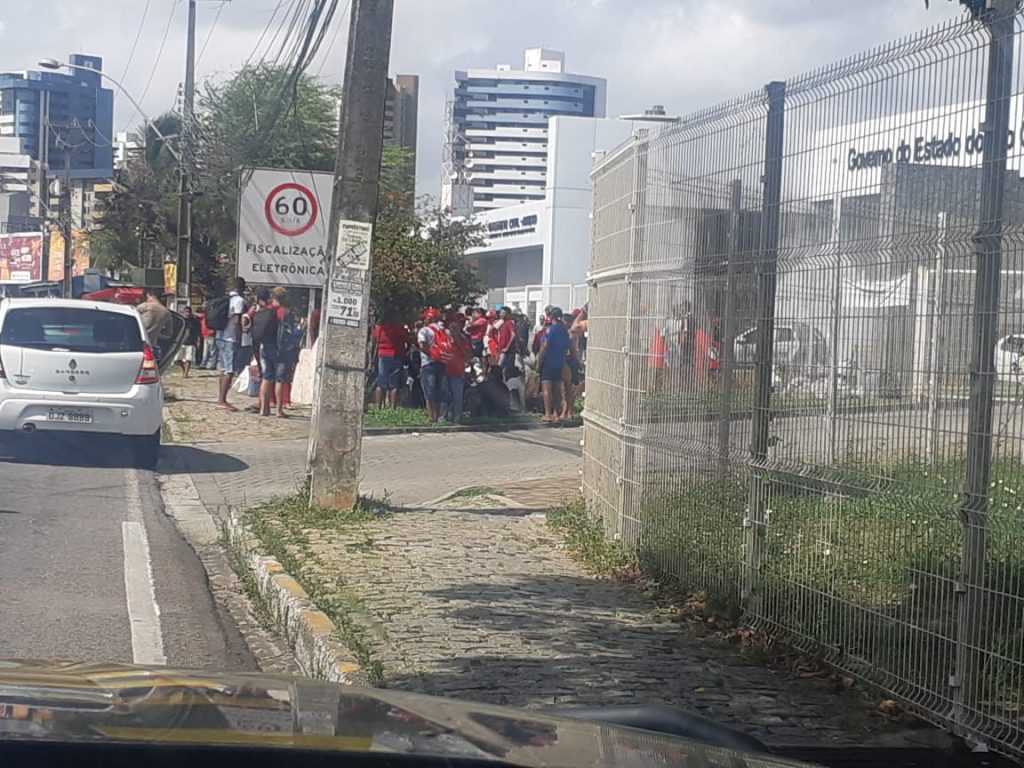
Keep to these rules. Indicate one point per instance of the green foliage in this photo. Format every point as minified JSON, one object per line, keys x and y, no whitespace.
{"x":585,"y":538}
{"x":240,"y":123}
{"x":419,"y":254}
{"x":860,"y":558}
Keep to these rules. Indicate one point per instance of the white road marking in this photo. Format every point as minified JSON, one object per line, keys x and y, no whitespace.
{"x":143,"y":612}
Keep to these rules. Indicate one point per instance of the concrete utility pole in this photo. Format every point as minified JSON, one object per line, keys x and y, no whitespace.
{"x":336,"y":435}
{"x":186,"y":166}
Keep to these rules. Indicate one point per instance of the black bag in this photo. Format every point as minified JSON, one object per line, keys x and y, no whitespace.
{"x":264,"y":327}
{"x":218,"y":312}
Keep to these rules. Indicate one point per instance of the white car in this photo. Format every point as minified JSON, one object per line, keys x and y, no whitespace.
{"x":68,"y":365}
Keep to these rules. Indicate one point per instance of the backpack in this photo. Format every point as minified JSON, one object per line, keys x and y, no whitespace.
{"x":264,"y":326}
{"x":288,"y":335}
{"x":218,"y":312}
{"x":443,"y":349}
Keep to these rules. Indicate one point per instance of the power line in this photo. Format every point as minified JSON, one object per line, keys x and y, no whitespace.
{"x":266,"y":29}
{"x":209,"y":34}
{"x":135,"y":43}
{"x":156,"y":62}
{"x":334,"y":38}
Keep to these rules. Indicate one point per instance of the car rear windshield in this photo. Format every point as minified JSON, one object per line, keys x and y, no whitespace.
{"x":71,"y":329}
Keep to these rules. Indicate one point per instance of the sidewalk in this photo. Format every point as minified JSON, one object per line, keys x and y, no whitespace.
{"x":472,"y":596}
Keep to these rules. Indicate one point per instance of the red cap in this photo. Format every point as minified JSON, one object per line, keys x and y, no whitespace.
{"x":431,"y":314}
{"x":491,"y":314}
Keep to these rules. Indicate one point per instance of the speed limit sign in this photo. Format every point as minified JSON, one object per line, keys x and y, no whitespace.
{"x":282,"y":226}
{"x":291,"y":209}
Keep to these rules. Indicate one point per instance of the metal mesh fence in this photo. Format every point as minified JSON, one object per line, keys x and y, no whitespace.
{"x":804,"y":385}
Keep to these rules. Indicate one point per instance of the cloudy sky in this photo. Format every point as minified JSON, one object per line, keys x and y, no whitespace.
{"x":684,"y":54}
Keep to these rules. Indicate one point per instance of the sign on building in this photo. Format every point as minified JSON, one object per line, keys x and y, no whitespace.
{"x":282,"y":227}
{"x":21,"y":257}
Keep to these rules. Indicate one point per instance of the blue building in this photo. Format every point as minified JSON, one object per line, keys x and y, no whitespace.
{"x":41,"y":108}
{"x":497,"y":129}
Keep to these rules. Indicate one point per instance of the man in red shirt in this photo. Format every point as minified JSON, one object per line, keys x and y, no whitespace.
{"x":390,"y":345}
{"x":505,"y":341}
{"x":208,"y":361}
{"x":455,"y":367}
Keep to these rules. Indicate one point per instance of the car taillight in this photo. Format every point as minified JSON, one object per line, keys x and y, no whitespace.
{"x":148,"y":373}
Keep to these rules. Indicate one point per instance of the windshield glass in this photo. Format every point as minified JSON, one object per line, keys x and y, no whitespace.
{"x":71,"y":330}
{"x":543,"y":354}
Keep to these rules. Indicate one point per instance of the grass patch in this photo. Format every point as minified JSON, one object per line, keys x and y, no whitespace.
{"x":236,"y":561}
{"x":284,"y":527}
{"x":584,"y":536}
{"x":861,"y":561}
{"x":417,"y":417}
{"x":469,"y":493}
{"x":166,"y":436}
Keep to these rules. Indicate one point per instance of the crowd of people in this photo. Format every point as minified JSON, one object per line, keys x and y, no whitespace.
{"x":240,"y":333}
{"x":484,"y":363}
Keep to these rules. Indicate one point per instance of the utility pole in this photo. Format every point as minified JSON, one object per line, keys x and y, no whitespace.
{"x":183,"y":255}
{"x":66,"y":223}
{"x":336,"y":435}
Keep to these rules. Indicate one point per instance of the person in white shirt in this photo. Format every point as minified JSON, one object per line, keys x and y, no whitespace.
{"x":230,"y":359}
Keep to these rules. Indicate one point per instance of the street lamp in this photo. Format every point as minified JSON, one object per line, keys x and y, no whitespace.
{"x":57,"y":64}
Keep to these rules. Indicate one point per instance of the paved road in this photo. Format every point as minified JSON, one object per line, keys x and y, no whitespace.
{"x":92,"y":569}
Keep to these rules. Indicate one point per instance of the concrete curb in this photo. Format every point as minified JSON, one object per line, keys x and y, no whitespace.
{"x":510,"y":427}
{"x":308,"y":630}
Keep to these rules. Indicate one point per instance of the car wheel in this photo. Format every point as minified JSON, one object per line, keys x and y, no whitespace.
{"x":145,"y":450}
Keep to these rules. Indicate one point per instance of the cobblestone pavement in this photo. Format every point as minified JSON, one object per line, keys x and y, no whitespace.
{"x":486,"y":605}
{"x":192,"y":404}
{"x":406,"y":470}
{"x":483,"y":603}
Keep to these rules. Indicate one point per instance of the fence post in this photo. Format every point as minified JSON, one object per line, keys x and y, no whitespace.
{"x":729,"y":328}
{"x":837,"y":323}
{"x":765,"y":338}
{"x":631,"y":357}
{"x":988,"y":243}
{"x":936,"y":342}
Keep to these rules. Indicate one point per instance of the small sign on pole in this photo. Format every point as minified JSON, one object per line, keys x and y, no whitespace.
{"x":282,"y":227}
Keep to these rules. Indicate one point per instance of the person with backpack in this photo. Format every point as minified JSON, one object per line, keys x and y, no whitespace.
{"x":276,"y":329}
{"x":455,"y":367}
{"x":224,"y":317}
{"x":434,"y":343}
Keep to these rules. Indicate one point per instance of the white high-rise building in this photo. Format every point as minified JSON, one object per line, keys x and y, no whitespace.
{"x":497,"y":129}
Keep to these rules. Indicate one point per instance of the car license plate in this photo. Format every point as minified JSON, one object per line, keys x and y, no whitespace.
{"x":69,"y":415}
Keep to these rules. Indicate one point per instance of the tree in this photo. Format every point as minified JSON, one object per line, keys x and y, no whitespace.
{"x":252,"y":120}
{"x":419,"y":253}
{"x":246,"y":120}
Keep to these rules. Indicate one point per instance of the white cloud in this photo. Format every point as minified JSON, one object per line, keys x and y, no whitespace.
{"x":685,"y":54}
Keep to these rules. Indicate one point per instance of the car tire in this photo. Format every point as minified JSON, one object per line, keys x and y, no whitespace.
{"x":145,"y":450}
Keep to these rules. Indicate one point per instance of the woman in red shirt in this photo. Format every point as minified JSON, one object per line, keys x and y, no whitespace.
{"x":391,"y":345}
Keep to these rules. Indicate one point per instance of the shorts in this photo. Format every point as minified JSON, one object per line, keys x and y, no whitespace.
{"x":552,"y":373}
{"x":187,"y":353}
{"x":478,"y":348}
{"x":231,"y":357}
{"x":275,"y":368}
{"x":389,"y":373}
{"x":434,"y":383}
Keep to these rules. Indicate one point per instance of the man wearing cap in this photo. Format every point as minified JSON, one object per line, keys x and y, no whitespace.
{"x":433,"y":381}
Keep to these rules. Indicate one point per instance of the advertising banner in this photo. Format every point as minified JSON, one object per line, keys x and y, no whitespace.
{"x":282,"y":227}
{"x":21,"y":257}
{"x":79,"y":251}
